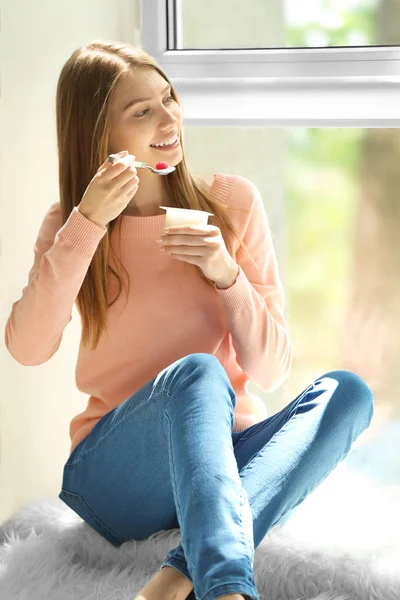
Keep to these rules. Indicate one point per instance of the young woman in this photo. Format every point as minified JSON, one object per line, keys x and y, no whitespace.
{"x":170,"y":436}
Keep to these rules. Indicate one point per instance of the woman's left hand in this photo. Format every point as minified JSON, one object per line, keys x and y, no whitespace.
{"x":203,"y":246}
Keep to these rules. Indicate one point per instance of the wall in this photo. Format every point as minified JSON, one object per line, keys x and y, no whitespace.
{"x":37,"y":403}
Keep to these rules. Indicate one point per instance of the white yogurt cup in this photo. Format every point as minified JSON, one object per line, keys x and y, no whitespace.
{"x":185,"y":216}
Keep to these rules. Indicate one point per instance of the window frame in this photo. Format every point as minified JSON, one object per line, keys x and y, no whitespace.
{"x":315,"y":87}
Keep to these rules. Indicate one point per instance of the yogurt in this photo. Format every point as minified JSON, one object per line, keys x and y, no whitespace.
{"x":185,"y":216}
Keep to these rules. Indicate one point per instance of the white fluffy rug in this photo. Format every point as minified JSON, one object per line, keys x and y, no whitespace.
{"x":48,"y":553}
{"x":342,"y":543}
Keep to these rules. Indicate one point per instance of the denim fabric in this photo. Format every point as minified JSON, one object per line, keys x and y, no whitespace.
{"x":167,"y":458}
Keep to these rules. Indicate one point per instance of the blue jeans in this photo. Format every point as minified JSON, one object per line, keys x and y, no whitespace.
{"x":167,"y":458}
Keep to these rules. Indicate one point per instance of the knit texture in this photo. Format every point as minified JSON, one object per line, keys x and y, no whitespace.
{"x":171,"y":311}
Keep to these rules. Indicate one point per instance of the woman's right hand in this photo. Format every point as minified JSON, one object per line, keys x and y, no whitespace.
{"x":110,"y":191}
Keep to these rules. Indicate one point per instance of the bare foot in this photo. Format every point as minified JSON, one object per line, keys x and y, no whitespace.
{"x":167,"y":584}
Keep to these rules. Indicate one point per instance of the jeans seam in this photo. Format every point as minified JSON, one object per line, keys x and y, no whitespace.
{"x":247,"y":543}
{"x":177,"y":505}
{"x":80,"y":499}
{"x":85,"y":453}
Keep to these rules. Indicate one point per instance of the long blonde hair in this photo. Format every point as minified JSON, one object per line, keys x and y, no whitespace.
{"x":83,"y":101}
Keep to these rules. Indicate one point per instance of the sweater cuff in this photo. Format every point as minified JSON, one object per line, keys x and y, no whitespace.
{"x":82,"y":233}
{"x":237,"y":295}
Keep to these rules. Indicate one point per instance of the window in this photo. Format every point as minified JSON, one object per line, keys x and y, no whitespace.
{"x":323,"y":86}
{"x":304,"y":100}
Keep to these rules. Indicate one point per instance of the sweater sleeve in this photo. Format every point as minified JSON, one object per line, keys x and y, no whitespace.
{"x":62,"y":255}
{"x":255,"y":303}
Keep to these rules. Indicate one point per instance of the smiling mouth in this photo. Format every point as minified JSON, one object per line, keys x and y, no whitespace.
{"x":174,"y":144}
{"x":173,"y":138}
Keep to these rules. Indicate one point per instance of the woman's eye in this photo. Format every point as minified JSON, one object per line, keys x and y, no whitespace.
{"x":139,"y":115}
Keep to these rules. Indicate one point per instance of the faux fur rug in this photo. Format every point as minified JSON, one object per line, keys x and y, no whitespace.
{"x":342,"y":543}
{"x":48,"y":553}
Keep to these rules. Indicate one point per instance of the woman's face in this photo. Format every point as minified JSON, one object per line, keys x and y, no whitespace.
{"x":137,"y":125}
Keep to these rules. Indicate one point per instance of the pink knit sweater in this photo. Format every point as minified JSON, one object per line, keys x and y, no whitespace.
{"x":171,"y":311}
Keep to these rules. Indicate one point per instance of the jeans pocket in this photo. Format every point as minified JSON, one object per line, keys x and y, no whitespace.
{"x":79,"y":506}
